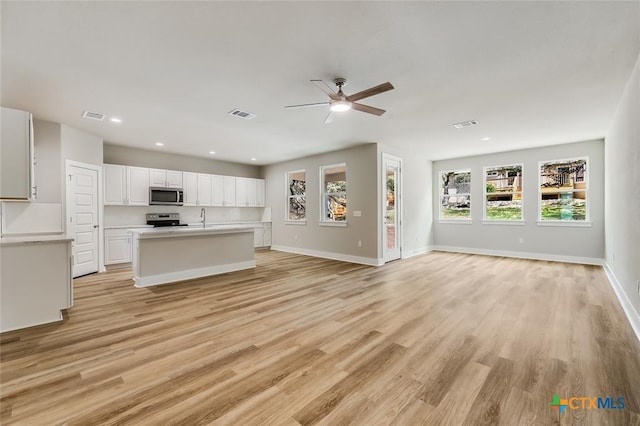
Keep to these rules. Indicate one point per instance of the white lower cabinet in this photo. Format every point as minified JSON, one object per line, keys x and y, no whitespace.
{"x":117,"y":246}
{"x":262,"y":235}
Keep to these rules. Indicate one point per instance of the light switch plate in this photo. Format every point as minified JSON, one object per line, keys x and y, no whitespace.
{"x":357,"y":213}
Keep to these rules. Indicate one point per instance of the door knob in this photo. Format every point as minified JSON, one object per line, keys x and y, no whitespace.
{"x":95,"y":226}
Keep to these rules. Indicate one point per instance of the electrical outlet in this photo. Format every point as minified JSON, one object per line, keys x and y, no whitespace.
{"x":295,"y":237}
{"x":359,"y":243}
{"x":521,"y":240}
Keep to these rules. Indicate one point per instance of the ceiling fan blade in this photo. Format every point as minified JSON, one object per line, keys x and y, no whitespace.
{"x":381,"y":88}
{"x":329,"y":118}
{"x":367,"y":108}
{"x":326,"y":89}
{"x":307,"y":105}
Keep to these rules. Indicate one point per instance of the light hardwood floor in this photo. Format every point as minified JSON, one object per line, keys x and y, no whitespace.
{"x":438,"y":339}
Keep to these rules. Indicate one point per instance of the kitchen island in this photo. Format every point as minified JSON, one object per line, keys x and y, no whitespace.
{"x":170,"y":254}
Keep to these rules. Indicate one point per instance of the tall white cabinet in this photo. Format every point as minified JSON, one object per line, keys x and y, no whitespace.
{"x":17,"y":161}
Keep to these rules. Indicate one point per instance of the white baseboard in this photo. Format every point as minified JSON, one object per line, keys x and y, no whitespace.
{"x":416,"y":252}
{"x":632,"y":315}
{"x":523,"y":255}
{"x":369,"y":261}
{"x":172,"y":277}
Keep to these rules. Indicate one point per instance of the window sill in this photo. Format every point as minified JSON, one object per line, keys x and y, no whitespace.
{"x":334,"y":224}
{"x":296,"y":222}
{"x":503,"y":222}
{"x":458,"y":222}
{"x":567,"y":223}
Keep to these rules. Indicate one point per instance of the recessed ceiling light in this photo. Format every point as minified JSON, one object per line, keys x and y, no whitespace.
{"x":159,"y":144}
{"x":253,"y":159}
{"x":212,"y":152}
{"x":486,"y":139}
{"x":116,"y":120}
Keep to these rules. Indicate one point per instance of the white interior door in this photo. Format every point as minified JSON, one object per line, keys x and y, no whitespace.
{"x":82,"y":218}
{"x":391,"y":207}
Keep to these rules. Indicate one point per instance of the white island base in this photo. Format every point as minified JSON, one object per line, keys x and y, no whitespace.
{"x":167,"y":255}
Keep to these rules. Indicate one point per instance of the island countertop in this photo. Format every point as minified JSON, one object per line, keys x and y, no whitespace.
{"x":181,"y":231}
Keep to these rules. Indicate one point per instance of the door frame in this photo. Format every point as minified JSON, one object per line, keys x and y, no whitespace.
{"x":98,"y":169}
{"x":399,"y":206}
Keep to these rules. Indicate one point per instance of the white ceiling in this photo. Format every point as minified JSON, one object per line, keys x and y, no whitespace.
{"x":531,"y":73}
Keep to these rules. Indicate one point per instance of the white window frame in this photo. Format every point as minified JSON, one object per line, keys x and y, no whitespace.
{"x":486,"y":220}
{"x":323,"y":220}
{"x":569,"y":223}
{"x":441,"y":194}
{"x":288,"y":197}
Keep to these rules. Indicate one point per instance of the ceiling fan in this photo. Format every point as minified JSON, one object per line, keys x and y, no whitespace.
{"x":340,"y":102}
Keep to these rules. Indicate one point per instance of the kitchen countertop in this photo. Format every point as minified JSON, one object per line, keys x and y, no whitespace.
{"x":34,"y":239}
{"x":192,"y":224}
{"x":184,"y":231}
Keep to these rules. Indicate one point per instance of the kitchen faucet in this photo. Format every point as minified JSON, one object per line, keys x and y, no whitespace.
{"x":203,"y":215}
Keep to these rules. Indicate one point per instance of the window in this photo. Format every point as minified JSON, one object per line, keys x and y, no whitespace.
{"x":334,"y":193}
{"x":503,"y":192}
{"x":296,"y":196}
{"x":455,"y":195}
{"x":564,"y":188}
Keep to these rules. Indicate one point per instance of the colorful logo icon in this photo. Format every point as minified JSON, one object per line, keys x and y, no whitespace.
{"x":559,"y":404}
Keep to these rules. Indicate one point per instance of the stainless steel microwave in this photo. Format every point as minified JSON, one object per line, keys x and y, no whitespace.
{"x":166,"y":196}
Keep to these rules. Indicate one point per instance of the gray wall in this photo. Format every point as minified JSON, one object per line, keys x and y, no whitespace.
{"x":622,"y":188}
{"x":127,"y":156}
{"x":78,"y":145}
{"x":362,"y":185}
{"x":578,"y":242}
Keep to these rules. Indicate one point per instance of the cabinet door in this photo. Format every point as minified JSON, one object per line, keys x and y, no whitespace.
{"x":260,"y":192}
{"x":217,"y":190}
{"x":229,"y":191}
{"x":258,"y":237}
{"x":251,"y":192}
{"x":137,"y":186}
{"x":16,"y":145}
{"x":241,"y":192}
{"x":204,"y":189}
{"x":114,"y":185}
{"x":174,"y":179}
{"x":157,"y":177}
{"x":267,"y":236}
{"x":117,"y":250}
{"x":190,"y":188}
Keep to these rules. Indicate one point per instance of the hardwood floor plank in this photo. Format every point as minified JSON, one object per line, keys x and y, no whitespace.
{"x":441,"y":338}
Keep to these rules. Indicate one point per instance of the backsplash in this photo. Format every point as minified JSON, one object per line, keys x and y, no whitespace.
{"x":129,"y":215}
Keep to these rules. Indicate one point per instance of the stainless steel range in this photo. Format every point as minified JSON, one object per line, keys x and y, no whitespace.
{"x":164,"y":219}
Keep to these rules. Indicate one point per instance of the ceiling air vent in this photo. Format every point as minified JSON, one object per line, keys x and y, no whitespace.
{"x":465,"y":124}
{"x":93,"y":115}
{"x":242,"y":114}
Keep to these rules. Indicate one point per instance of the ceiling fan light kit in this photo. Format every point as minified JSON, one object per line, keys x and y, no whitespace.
{"x":339,"y":102}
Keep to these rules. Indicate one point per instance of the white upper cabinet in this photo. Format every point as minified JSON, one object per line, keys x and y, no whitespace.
{"x":190,"y":188}
{"x":229,"y":191}
{"x":165,"y":178}
{"x":260,"y":191}
{"x":249,"y":192}
{"x":17,"y":164}
{"x":137,"y":186}
{"x":217,"y":190}
{"x":115,"y":189}
{"x":126,"y":186}
{"x":204,"y":189}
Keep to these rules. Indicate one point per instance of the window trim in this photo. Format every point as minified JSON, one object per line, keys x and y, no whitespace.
{"x":441,"y":194}
{"x":485,"y":219}
{"x":573,"y":223}
{"x":323,"y":220}
{"x":288,"y":196}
